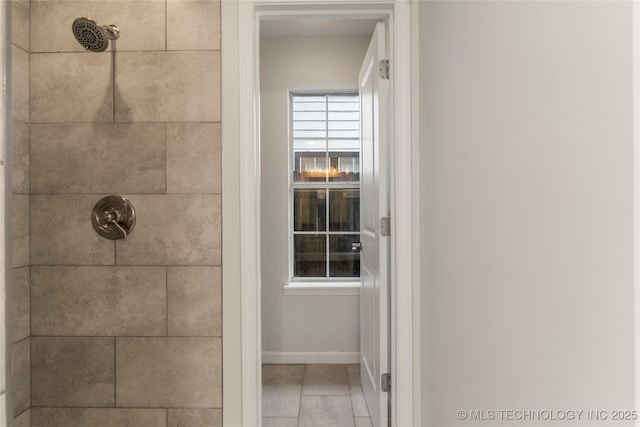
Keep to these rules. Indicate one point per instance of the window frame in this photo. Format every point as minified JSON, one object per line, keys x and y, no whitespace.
{"x":315,"y":285}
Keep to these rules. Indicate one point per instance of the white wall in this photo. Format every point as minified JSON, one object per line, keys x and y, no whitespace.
{"x":526,"y":208}
{"x":294,"y":324}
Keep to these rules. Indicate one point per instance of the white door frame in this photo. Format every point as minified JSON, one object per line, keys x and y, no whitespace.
{"x":241,"y":201}
{"x":636,"y":191}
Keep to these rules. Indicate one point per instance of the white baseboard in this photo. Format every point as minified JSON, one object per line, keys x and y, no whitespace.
{"x":334,"y":357}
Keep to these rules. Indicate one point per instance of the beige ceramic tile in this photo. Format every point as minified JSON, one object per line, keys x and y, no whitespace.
{"x":279,"y":422}
{"x":169,"y":372}
{"x":22,"y":420}
{"x":141,"y":23}
{"x":281,"y":389}
{"x":353,"y":372}
{"x":173,"y":230}
{"x":21,"y":304}
{"x":98,"y":158}
{"x":363,"y":422}
{"x":96,"y":417}
{"x":21,"y":363}
{"x":62,"y":233}
{"x":72,"y":372}
{"x":168,"y":87}
{"x":194,"y":417}
{"x":20,"y":226}
{"x":20,"y":17}
{"x":326,"y":411}
{"x":325,"y":380}
{"x":358,"y":402}
{"x":194,"y":301}
{"x":20,"y":160}
{"x":193,"y":25}
{"x":357,"y":397}
{"x":71,"y":87}
{"x":193,"y":158}
{"x":20,"y":84}
{"x":123,"y":301}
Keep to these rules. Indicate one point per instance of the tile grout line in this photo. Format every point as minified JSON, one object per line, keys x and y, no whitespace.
{"x":304,"y":370}
{"x":115,"y":395}
{"x":348,"y":396}
{"x":166,"y":158}
{"x":166,"y":298}
{"x":125,"y":408}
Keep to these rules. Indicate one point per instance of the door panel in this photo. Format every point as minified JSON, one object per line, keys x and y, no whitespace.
{"x":373,"y":258}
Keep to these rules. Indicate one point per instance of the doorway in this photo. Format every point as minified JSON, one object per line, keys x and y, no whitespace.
{"x":310,"y":211}
{"x":243,"y":400}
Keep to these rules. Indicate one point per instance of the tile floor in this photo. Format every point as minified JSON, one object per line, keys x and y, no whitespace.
{"x":313,"y":396}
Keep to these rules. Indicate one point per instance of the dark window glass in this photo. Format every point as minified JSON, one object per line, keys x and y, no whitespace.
{"x":343,"y":262}
{"x":309,"y":210}
{"x":310,"y":255}
{"x":344,"y":209}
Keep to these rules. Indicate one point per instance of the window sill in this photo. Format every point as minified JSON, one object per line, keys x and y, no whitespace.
{"x":322,"y":288}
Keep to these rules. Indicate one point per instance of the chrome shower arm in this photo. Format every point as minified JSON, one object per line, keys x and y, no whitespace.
{"x":113,"y":32}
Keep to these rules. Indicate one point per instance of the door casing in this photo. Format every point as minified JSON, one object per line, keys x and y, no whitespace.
{"x":240,"y":20}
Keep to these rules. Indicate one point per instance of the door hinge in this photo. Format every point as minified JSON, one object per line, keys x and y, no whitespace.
{"x":385,"y":226}
{"x":383,"y":67}
{"x":385,"y":383}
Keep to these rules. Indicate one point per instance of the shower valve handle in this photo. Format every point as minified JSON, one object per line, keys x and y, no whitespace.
{"x":110,"y":219}
{"x":113,"y":217}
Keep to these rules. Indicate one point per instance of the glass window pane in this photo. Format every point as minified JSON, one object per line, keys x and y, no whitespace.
{"x":311,"y":133}
{"x":344,"y":209}
{"x":344,"y":106}
{"x":344,"y":167}
{"x":355,"y":133}
{"x":309,"y":106}
{"x":326,"y":146}
{"x":350,"y":165}
{"x":310,"y":98}
{"x":344,"y":125}
{"x":310,"y":255}
{"x":309,"y":167}
{"x":351,"y":145}
{"x":310,"y":115}
{"x":309,"y":125}
{"x":343,"y":98}
{"x":313,"y":145}
{"x":343,"y":262}
{"x":344,"y":115}
{"x":309,"y":210}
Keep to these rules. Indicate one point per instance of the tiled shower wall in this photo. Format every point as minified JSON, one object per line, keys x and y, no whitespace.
{"x":126,"y":333}
{"x":21,"y":386}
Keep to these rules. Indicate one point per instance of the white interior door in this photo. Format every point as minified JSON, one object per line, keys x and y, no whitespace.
{"x":374,"y":249}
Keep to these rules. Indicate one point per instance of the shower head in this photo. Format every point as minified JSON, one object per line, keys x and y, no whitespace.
{"x":92,"y":36}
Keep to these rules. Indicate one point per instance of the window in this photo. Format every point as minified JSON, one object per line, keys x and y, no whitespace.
{"x":325,"y":186}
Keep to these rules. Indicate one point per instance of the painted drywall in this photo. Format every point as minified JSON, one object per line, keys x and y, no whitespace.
{"x":526,"y":210}
{"x":298,"y":324}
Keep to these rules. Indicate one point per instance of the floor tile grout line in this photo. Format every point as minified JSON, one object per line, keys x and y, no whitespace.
{"x":349,"y":396}
{"x":304,"y":372}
